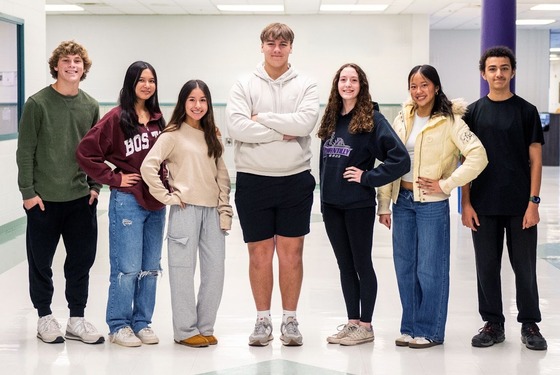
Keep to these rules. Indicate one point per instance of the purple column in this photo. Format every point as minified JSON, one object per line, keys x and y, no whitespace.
{"x":498,"y":29}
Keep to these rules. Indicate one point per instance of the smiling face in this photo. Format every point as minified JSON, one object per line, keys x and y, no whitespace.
{"x":196,"y":107}
{"x":276,"y":53}
{"x":349,"y":85}
{"x":146,"y":85}
{"x":498,"y":73}
{"x":423,"y":93}
{"x":70,"y":69}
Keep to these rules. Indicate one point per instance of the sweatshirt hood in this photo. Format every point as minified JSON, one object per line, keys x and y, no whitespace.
{"x":290,"y":74}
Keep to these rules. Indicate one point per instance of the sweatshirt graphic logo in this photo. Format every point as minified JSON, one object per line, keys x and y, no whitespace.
{"x":336,"y":148}
{"x":139,"y":142}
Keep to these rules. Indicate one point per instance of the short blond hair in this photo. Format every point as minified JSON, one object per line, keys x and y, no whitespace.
{"x":66,"y":48}
{"x":276,"y":31}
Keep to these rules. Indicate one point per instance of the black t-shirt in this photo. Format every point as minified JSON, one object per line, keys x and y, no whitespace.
{"x":507,"y":129}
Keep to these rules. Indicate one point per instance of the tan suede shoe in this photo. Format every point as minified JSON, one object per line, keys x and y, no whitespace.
{"x":197,"y":341}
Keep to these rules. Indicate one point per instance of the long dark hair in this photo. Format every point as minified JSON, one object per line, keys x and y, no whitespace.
{"x":127,"y":98}
{"x":207,"y":122}
{"x":362,"y":120}
{"x":442,"y":105}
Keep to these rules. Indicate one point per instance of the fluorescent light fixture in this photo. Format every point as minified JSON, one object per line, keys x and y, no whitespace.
{"x":546,"y":7}
{"x":555,"y":49}
{"x":533,"y":22}
{"x":353,"y":7}
{"x":63,"y":8}
{"x":251,"y":8}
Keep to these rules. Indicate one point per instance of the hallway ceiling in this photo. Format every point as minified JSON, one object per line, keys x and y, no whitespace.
{"x":444,"y":14}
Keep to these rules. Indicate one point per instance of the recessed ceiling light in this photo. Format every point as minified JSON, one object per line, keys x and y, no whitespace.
{"x":533,"y":22}
{"x":546,"y":7}
{"x":251,"y":8}
{"x":353,"y":7}
{"x":63,"y":8}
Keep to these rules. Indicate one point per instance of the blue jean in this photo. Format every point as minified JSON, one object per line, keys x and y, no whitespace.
{"x":421,"y":243}
{"x":135,"y":240}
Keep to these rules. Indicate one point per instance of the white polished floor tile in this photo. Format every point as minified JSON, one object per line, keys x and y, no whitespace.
{"x":320,"y":311}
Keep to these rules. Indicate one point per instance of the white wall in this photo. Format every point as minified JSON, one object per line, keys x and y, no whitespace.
{"x":455,"y":53}
{"x":217,"y":49}
{"x":554,"y":93}
{"x":33,"y":14}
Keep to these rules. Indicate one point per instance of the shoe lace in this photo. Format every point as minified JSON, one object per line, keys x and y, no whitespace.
{"x":125,"y":332}
{"x":290,"y":327}
{"x":49,"y":324}
{"x":348,"y":327}
{"x":147,"y":331}
{"x":532,"y":330}
{"x":260,"y":327}
{"x":488,"y":328}
{"x":84,"y":326}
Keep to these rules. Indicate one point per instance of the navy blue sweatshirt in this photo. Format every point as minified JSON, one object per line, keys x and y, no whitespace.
{"x":360,"y":150}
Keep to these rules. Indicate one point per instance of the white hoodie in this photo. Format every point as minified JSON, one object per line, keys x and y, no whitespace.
{"x":288,"y":105}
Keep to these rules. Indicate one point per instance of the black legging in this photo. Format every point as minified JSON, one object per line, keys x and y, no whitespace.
{"x":350,"y":232}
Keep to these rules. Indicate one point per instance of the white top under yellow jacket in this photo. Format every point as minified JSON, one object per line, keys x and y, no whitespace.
{"x":438,"y":147}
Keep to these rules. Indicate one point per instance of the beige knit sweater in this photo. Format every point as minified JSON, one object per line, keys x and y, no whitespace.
{"x":194,"y":177}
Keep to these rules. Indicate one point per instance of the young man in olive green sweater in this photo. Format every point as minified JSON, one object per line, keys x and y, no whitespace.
{"x":58,"y":198}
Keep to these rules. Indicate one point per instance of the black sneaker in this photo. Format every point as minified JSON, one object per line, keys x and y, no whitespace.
{"x":531,"y":337}
{"x":490,"y":334}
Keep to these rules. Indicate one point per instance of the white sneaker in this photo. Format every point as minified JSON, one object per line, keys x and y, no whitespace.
{"x":291,"y":336}
{"x":343,"y":331}
{"x":80,"y":329}
{"x":147,"y":336}
{"x":360,"y":335}
{"x":48,"y":330}
{"x":404,"y":340}
{"x":422,"y":343}
{"x":262,"y":334}
{"x":125,"y":337}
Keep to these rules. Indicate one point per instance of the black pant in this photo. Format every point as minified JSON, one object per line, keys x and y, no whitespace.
{"x":521,"y":243}
{"x":351,"y":235}
{"x":76,"y":222}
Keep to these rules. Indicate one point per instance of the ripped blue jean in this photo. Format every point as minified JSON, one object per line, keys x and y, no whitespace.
{"x":135,"y":240}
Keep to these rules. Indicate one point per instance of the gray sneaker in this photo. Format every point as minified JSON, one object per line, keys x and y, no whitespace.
{"x":48,"y":330}
{"x":262,"y":334}
{"x":125,"y":337}
{"x":343,"y":331}
{"x":360,"y":335}
{"x":147,"y":336}
{"x":80,"y":329}
{"x":290,"y":333}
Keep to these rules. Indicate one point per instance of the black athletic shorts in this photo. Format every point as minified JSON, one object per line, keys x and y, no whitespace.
{"x":269,"y":206}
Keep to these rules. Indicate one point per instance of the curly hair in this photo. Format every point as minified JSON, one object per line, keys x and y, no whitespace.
{"x":498,"y":51}
{"x":66,"y":48}
{"x":362,"y":120}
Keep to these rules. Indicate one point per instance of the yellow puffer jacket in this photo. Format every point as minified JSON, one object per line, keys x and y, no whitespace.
{"x":437,"y":152}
